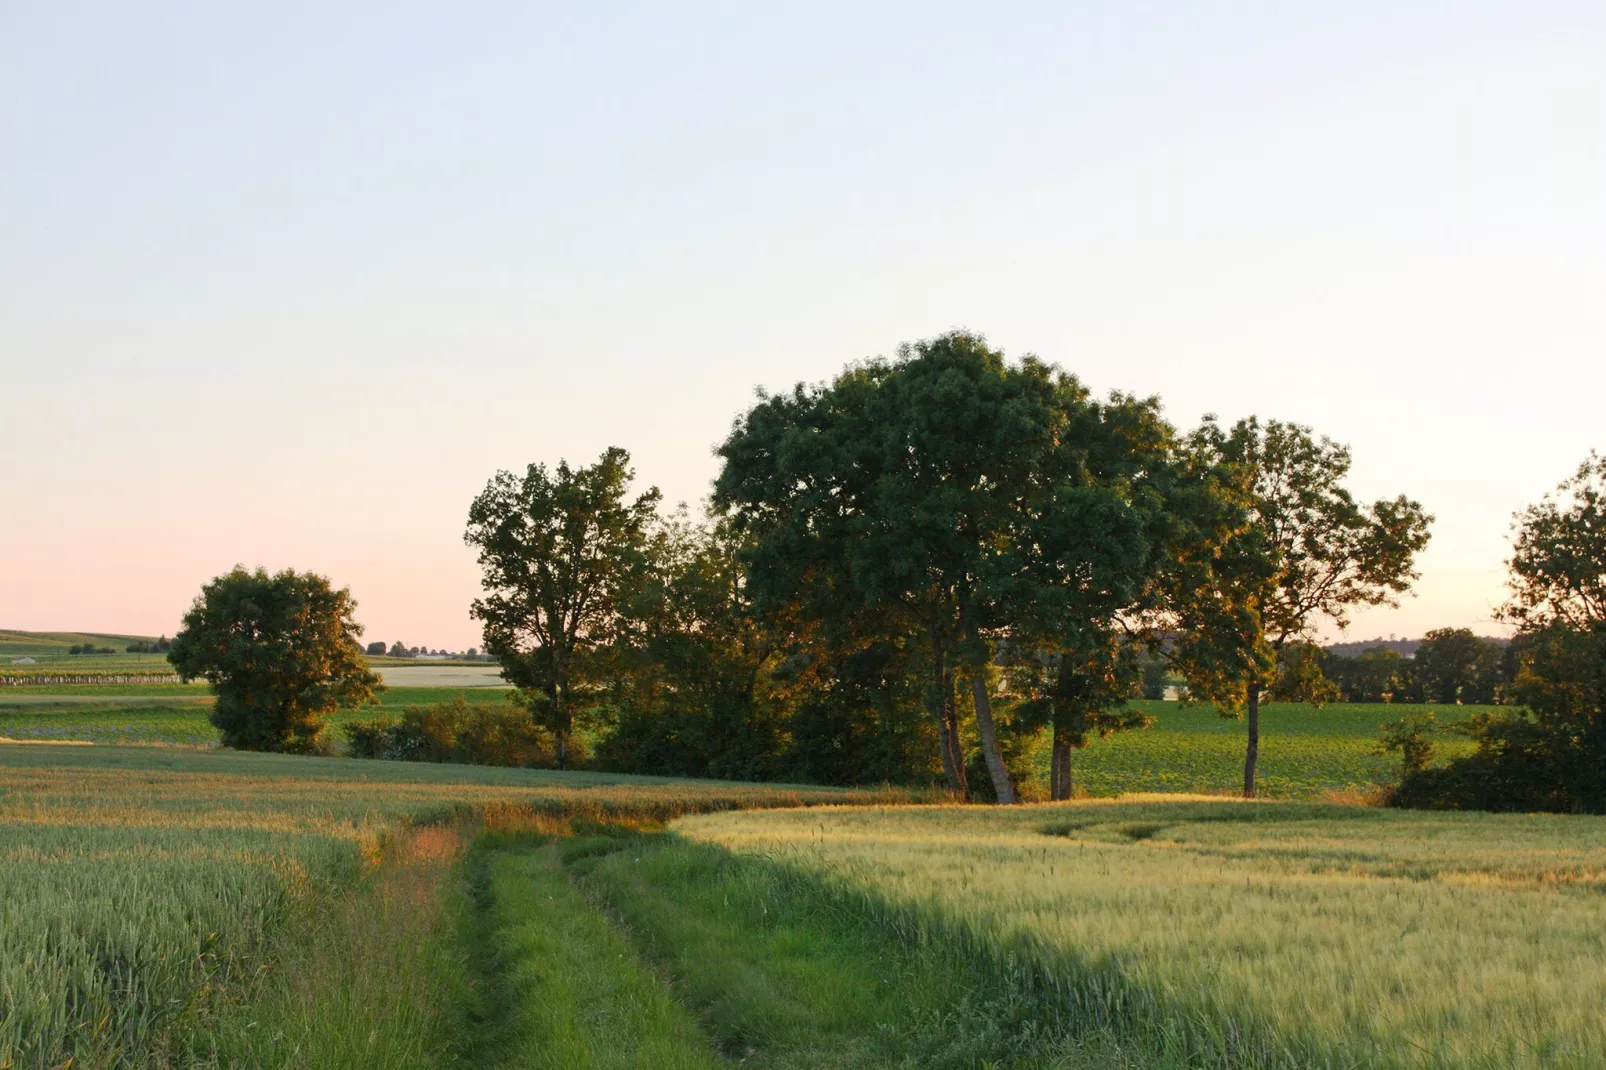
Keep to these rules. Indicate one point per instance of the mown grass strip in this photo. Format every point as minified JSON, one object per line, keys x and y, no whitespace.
{"x":565,"y":990}
{"x":787,"y":973}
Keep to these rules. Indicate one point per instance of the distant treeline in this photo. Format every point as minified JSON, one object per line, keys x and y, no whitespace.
{"x":399,"y":649}
{"x":1449,"y":665}
{"x":1406,"y":648}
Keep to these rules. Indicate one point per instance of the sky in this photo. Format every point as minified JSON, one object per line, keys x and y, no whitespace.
{"x":285,"y":284}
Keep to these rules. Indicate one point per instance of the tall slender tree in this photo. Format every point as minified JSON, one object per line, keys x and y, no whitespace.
{"x":1308,"y":552}
{"x":560,"y":551}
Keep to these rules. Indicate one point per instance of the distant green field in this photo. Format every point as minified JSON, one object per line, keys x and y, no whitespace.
{"x":104,"y":692}
{"x":15,"y":643}
{"x":156,"y":714}
{"x":1304,"y":751}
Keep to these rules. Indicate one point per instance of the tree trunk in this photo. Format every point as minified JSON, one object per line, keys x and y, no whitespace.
{"x":989,"y":735}
{"x":950,"y":713}
{"x":953,"y":768}
{"x":950,"y":771}
{"x":561,"y":726}
{"x":1252,"y":754}
{"x":1059,"y":775}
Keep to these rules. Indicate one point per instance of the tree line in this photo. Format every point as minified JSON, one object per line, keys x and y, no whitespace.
{"x":399,"y":649}
{"x":909,"y":572}
{"x":927,"y":560}
{"x":1448,"y":665}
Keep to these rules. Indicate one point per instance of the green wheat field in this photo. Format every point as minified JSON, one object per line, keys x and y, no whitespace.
{"x":167,"y":903}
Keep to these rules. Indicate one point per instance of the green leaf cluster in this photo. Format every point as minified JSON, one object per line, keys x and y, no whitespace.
{"x":961,"y":498}
{"x":280,"y":652}
{"x":560,"y":552}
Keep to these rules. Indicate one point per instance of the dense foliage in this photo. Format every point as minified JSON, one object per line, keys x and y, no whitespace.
{"x":1308,"y":552}
{"x":280,"y":652}
{"x":1550,"y":753}
{"x":560,"y":552}
{"x":482,"y":733}
{"x":955,"y":501}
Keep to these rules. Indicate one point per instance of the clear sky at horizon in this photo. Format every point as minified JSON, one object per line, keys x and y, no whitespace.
{"x":285,"y":284}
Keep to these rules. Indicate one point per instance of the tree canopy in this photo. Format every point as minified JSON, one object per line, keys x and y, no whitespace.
{"x":281,"y":654}
{"x":1454,"y":665}
{"x":957,"y":494}
{"x":1307,"y":552}
{"x":559,"y":552}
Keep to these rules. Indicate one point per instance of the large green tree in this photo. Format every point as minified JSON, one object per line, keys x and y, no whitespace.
{"x":281,"y":654}
{"x":1109,"y":508}
{"x":888,"y":493}
{"x":952,"y":496}
{"x":560,"y":551}
{"x":1308,"y":553}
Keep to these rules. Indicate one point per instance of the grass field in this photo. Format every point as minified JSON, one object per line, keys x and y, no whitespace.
{"x":441,"y":674}
{"x":56,"y":644}
{"x":143,"y":890}
{"x":202,"y":907}
{"x":172,"y":714}
{"x":186,"y":905}
{"x":1241,"y":934}
{"x":1306,"y":753}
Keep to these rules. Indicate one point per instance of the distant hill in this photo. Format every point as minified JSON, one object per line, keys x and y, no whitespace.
{"x":17,"y":643}
{"x":1406,"y":648}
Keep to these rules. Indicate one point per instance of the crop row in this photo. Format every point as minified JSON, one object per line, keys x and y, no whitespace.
{"x":54,"y":677}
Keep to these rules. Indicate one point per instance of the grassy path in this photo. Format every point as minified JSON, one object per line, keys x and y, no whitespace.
{"x":785,"y":972}
{"x":616,"y":949}
{"x":562,"y":989}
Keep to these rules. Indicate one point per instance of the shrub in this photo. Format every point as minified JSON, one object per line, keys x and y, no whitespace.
{"x":455,"y":731}
{"x":368,"y":739}
{"x":1550,"y":755}
{"x":1409,"y":737}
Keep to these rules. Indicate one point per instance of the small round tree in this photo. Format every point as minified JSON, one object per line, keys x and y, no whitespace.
{"x":281,"y":654}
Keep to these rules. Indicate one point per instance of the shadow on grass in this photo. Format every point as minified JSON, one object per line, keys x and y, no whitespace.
{"x":789,"y":969}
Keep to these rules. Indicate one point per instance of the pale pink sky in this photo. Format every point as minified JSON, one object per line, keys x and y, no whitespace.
{"x":286,"y":288}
